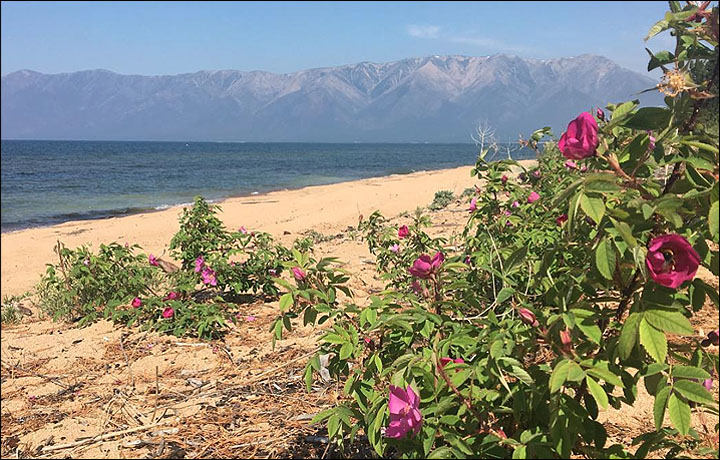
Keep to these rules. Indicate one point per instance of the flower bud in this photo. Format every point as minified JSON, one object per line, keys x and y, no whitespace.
{"x":528,"y":317}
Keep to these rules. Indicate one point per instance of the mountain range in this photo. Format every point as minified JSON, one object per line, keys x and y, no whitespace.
{"x":427,"y":99}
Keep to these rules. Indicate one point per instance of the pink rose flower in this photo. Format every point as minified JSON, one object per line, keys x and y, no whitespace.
{"x":424,"y":266}
{"x":243,"y":230}
{"x":86,"y":262}
{"x":405,"y":415}
{"x":583,"y":168}
{"x":515,"y":204}
{"x":528,"y":317}
{"x":403,"y":232}
{"x":504,"y":179}
{"x":534,"y":196}
{"x":536,"y":174}
{"x":473,"y":205}
{"x":298,"y":273}
{"x":168,"y":312}
{"x":671,"y":260}
{"x":153,"y":260}
{"x":199,"y":264}
{"x":136,"y":302}
{"x":562,"y":218}
{"x":507,"y":213}
{"x":395,"y":248}
{"x":208,"y":276}
{"x":581,"y":138}
{"x":571,"y":165}
{"x":708,"y":384}
{"x":172,"y":295}
{"x":468,"y":260}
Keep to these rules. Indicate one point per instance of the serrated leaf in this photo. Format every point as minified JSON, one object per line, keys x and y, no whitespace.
{"x":689,"y":372}
{"x":713,"y":219}
{"x":593,"y":207}
{"x":628,"y":335}
{"x":441,"y":452}
{"x":598,"y":392}
{"x":679,"y":412}
{"x":559,"y":375}
{"x":575,"y":372}
{"x":286,"y":301}
{"x":669,"y":321}
{"x":504,"y":294}
{"x":648,"y":118}
{"x":605,"y":259}
{"x":659,"y":406}
{"x":625,"y":232}
{"x":522,"y":375}
{"x":653,"y":340}
{"x":694,"y":392}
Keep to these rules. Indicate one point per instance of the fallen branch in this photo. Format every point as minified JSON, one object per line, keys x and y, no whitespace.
{"x":101,"y":438}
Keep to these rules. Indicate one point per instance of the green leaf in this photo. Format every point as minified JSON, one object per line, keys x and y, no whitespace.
{"x":605,"y":259}
{"x":657,"y":28}
{"x":586,"y":321}
{"x":522,"y":375}
{"x":653,"y":340}
{"x":520,"y":452}
{"x":628,"y":335}
{"x":593,"y":207}
{"x":679,"y":414}
{"x":625,"y":232}
{"x":286,"y":301}
{"x":559,"y":375}
{"x":441,"y":452}
{"x":713,"y":218}
{"x":694,"y":392}
{"x":598,"y":392}
{"x":504,"y":294}
{"x":689,"y":372}
{"x":648,"y":118}
{"x":660,"y":58}
{"x":575,"y":372}
{"x":669,"y":321}
{"x":661,"y":400}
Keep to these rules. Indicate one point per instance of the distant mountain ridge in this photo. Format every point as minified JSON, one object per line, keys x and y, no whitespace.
{"x":428,"y":99}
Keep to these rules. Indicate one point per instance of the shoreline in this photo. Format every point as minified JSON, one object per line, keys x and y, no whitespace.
{"x":282,"y":213}
{"x":164,"y":207}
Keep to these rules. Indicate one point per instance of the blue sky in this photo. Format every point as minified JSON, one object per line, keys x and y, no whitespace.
{"x":153,"y":38}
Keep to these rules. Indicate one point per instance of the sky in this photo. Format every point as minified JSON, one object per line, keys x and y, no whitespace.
{"x":160,"y":38}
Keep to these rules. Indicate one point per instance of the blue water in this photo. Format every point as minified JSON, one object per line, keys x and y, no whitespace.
{"x":49,"y":182}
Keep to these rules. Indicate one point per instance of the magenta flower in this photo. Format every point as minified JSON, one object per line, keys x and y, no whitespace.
{"x":424,"y":266}
{"x":153,"y":260}
{"x":243,"y":230}
{"x":534,"y":196}
{"x":671,"y":260}
{"x":714,"y":337}
{"x":172,"y":295}
{"x":600,"y":114}
{"x":528,"y":317}
{"x":536,"y":174}
{"x":395,"y":248}
{"x":571,"y":165}
{"x":405,"y":415}
{"x":199,"y":264}
{"x":467,"y":260}
{"x":583,"y":168}
{"x":168,"y":312}
{"x":403,"y":231}
{"x":473,"y":205}
{"x":136,"y":302}
{"x":581,"y":138}
{"x":708,"y":384}
{"x":419,"y":289}
{"x":507,"y":213}
{"x":208,"y":276}
{"x":504,"y":179}
{"x":298,"y":273}
{"x":562,"y":218}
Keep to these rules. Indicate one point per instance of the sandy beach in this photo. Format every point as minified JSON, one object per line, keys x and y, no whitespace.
{"x":147,"y":392}
{"x":325,"y":209}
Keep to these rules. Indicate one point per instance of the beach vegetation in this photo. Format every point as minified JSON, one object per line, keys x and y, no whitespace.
{"x":441,"y":200}
{"x":574,"y":285}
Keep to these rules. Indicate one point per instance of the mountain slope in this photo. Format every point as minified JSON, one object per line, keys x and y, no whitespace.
{"x":430,"y":99}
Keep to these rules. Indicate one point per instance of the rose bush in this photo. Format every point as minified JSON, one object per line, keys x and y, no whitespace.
{"x":573,"y":286}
